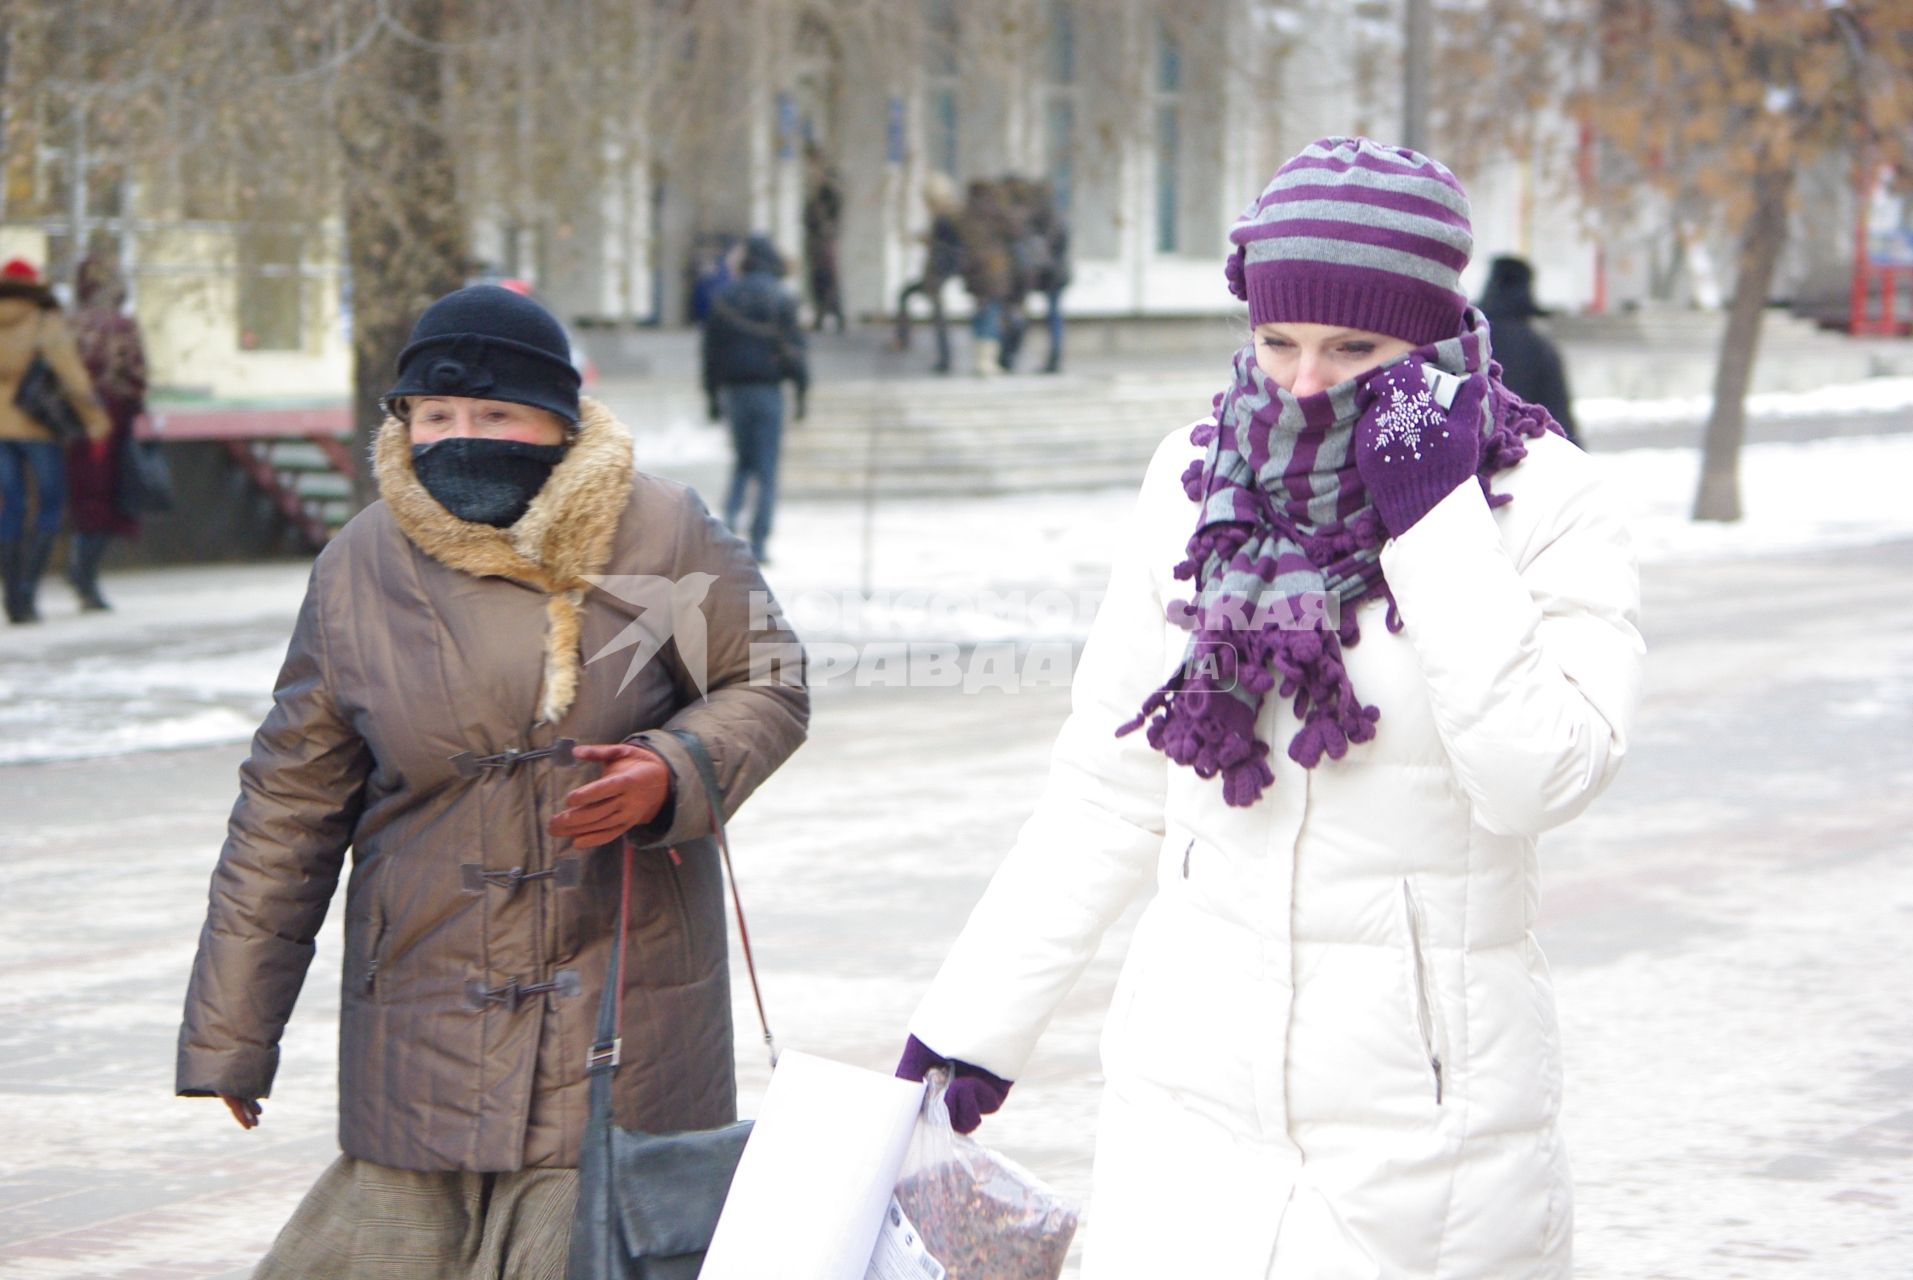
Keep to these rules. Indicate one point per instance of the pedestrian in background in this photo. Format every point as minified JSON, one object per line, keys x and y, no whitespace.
{"x":1056,"y":275}
{"x":423,"y":719}
{"x":115,"y":359}
{"x":708,"y":270}
{"x":1332,"y":1050}
{"x":942,"y":262}
{"x":1041,"y":253}
{"x":823,"y":229}
{"x":32,"y":459}
{"x":988,"y":270}
{"x":1530,"y":364}
{"x":1027,"y":256}
{"x":753,"y":344}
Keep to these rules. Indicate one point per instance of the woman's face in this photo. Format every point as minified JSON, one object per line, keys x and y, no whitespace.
{"x":435,"y":418}
{"x":1307,"y":358}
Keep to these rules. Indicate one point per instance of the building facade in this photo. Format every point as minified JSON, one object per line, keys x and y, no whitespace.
{"x":1155,"y":123}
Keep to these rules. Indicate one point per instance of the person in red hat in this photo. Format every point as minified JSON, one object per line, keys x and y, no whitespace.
{"x":31,"y":326}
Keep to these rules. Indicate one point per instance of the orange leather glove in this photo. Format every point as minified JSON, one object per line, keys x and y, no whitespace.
{"x":632,"y":790}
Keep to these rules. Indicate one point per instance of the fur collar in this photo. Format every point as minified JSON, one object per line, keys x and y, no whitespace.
{"x":564,"y":535}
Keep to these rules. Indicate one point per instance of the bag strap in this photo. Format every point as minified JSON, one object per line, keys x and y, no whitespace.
{"x":748,"y":324}
{"x":771,"y":331}
{"x":713,"y":796}
{"x":607,"y":1050}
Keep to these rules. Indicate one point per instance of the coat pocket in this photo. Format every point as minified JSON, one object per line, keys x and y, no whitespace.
{"x":374,"y":955}
{"x":1427,"y":1004}
{"x":680,"y":905}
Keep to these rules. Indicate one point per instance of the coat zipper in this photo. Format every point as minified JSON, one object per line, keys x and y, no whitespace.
{"x":1185,"y":859}
{"x":1424,"y":998}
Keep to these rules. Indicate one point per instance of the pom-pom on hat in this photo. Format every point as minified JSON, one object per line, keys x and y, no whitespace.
{"x":490,"y":343}
{"x":19,"y":269}
{"x":1360,"y":235}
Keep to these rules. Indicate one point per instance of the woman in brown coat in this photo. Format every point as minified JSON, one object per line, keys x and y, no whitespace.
{"x":30,"y":326}
{"x":449,"y":640}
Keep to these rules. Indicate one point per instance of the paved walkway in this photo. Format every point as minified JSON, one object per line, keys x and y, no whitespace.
{"x":1729,"y":931}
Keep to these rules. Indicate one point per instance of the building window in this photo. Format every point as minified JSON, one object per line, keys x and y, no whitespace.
{"x":944,"y":143}
{"x":1059,"y":105}
{"x":1059,"y":127}
{"x":943,"y":140}
{"x":1060,"y":42}
{"x":270,"y":293}
{"x":1168,"y":141}
{"x":1168,"y":189}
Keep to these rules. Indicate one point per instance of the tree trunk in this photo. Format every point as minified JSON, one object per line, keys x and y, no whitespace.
{"x":405,"y":228}
{"x":1761,"y":243}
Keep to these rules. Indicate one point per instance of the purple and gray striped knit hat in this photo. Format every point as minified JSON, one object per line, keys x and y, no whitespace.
{"x":1360,"y":235}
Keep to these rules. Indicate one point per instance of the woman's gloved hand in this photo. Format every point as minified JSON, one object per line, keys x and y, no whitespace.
{"x":1411,"y":452}
{"x":973,"y":1092}
{"x":630,"y":792}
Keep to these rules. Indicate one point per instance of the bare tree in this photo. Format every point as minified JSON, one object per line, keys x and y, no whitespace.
{"x":410,"y":118}
{"x":1718,"y":105}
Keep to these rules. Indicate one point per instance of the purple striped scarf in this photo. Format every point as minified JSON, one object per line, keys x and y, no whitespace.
{"x":1287,"y":546}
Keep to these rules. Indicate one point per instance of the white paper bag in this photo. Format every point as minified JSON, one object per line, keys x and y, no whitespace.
{"x":816,"y":1177}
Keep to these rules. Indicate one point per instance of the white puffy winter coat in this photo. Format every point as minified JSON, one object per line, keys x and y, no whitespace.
{"x":1332,"y":1052}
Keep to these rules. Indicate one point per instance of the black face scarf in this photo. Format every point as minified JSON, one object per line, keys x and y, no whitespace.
{"x":485,"y":481}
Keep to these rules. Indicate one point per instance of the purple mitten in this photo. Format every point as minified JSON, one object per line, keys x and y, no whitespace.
{"x":1410,"y":451}
{"x":973,"y":1092}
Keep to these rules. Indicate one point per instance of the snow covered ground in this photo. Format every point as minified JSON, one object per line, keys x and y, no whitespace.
{"x":1872,"y":395}
{"x":1728,"y":928}
{"x":1728,"y":932}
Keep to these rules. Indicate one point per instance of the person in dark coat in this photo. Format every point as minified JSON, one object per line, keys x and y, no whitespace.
{"x":943,"y":262}
{"x":1530,"y":364}
{"x":752,"y":344}
{"x":1027,"y":253}
{"x":823,"y":225}
{"x":1041,"y":253}
{"x":115,"y":358}
{"x":440,"y":718}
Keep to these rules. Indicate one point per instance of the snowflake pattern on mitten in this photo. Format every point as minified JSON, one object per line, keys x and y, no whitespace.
{"x":1410,"y":450}
{"x":1401,"y":421}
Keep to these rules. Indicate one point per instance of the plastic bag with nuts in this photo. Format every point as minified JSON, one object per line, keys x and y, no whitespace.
{"x":982,"y":1215}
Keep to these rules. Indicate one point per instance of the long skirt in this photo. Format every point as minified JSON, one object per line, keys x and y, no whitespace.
{"x":363,"y":1221}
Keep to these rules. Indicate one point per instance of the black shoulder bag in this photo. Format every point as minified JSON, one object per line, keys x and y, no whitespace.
{"x":648,"y":1203}
{"x":142,"y":478}
{"x":41,"y":398}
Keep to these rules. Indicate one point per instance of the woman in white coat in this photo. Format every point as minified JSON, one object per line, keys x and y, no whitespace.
{"x":1332,"y":1051}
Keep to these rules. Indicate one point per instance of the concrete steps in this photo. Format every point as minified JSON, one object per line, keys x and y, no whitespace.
{"x":303,"y":480}
{"x":969,"y":437}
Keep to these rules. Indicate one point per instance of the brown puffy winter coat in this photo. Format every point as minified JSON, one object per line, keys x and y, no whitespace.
{"x":422,"y":637}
